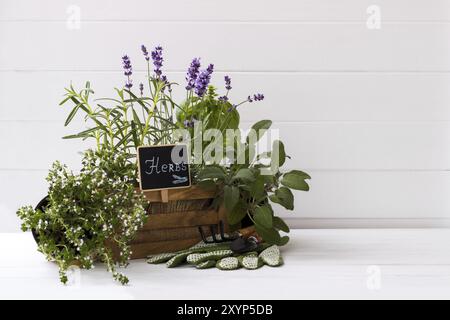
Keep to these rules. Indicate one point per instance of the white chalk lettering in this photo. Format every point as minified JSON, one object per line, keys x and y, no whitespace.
{"x":153,"y":166}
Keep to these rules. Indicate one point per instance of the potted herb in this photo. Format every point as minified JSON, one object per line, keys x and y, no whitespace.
{"x":87,"y":214}
{"x":100,"y":213}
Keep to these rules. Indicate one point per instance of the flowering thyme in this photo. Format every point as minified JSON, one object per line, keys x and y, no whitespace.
{"x":80,"y":217}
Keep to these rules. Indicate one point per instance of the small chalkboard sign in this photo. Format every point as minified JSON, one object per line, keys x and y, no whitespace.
{"x":163,"y":167}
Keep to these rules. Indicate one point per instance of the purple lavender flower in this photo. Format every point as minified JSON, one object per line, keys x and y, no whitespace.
{"x":227,"y":83}
{"x":157,"y":60}
{"x":258,"y":97}
{"x":166,"y":83}
{"x":126,"y":63}
{"x":189,"y":123}
{"x":128,"y":84}
{"x":145,"y":52}
{"x":192,"y":73}
{"x":202,"y":81}
{"x":223,"y":98}
{"x":128,"y":71}
{"x":141,"y":88}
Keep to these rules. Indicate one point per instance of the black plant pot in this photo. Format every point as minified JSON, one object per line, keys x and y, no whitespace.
{"x":246,"y":222}
{"x":42,"y":205}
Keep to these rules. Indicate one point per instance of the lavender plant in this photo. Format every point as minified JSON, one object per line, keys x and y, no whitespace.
{"x":242,"y":189}
{"x":150,"y":116}
{"x":129,"y":120}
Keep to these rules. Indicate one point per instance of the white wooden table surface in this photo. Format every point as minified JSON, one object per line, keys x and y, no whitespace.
{"x":356,"y":263}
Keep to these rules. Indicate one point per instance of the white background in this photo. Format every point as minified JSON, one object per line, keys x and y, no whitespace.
{"x":365,"y":112}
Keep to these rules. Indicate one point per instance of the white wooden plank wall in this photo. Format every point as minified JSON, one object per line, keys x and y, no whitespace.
{"x":365,"y":111}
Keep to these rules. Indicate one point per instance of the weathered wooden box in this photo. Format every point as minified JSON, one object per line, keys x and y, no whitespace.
{"x":173,"y":219}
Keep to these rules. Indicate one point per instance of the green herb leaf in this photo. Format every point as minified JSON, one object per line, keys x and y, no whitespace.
{"x":269,"y":179}
{"x":231,"y":197}
{"x":244,"y":175}
{"x":72,"y":115}
{"x":283,"y":241}
{"x":260,"y":128}
{"x":263,"y":216}
{"x":135,"y":98}
{"x":207,"y":184}
{"x":271,"y":236}
{"x":284,"y":197}
{"x":278,"y":150}
{"x":295,"y":179}
{"x":258,"y":187}
{"x":238,"y":213}
{"x":136,"y":119}
{"x":65,"y":100}
{"x":124,"y":139}
{"x":279,"y":224}
{"x":211,"y":172}
{"x":82,"y":134}
{"x":134,"y":131}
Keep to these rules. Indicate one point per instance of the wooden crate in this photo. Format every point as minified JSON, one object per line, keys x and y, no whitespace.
{"x":173,"y":220}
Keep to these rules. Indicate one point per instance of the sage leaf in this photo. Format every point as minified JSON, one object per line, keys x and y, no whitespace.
{"x":231,"y":197}
{"x":295,"y":179}
{"x":263,"y":216}
{"x":272,"y":236}
{"x":278,"y":150}
{"x":260,"y":129}
{"x":207,"y":185}
{"x":283,"y":241}
{"x":245,"y":175}
{"x":279,"y":224}
{"x":257,"y":188}
{"x":236,"y":215}
{"x":212,"y":172}
{"x":283,"y":196}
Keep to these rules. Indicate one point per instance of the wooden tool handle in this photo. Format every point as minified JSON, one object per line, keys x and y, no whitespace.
{"x":248,"y":232}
